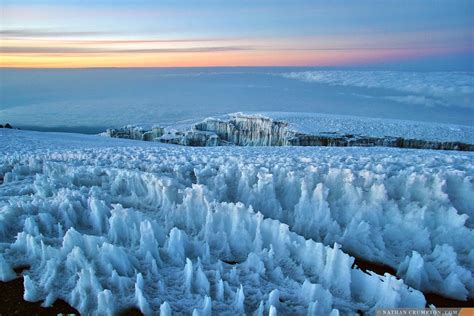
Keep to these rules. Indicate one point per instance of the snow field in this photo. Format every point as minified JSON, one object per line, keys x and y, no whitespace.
{"x":233,"y":230}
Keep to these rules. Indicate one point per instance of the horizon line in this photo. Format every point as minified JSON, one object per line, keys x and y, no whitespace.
{"x":368,"y":66}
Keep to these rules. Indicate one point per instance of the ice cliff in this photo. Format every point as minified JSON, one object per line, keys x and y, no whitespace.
{"x":136,"y":132}
{"x":258,"y":130}
{"x":246,"y":130}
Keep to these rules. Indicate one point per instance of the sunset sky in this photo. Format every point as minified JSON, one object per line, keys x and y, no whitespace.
{"x":234,"y":33}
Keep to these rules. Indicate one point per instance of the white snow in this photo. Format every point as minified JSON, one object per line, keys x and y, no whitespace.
{"x":107,"y":224}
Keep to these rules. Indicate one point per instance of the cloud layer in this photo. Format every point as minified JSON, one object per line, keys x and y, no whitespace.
{"x":95,"y":50}
{"x":418,"y":88}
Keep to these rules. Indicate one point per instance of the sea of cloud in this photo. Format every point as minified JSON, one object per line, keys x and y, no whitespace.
{"x":418,"y":88}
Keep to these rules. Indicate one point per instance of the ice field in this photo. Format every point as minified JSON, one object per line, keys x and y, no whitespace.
{"x":108,"y":224}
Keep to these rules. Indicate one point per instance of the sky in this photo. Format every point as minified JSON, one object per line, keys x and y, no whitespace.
{"x":76,"y":34}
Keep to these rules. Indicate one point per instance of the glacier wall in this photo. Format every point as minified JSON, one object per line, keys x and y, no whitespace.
{"x":241,"y":230}
{"x":245,"y":130}
{"x":365,"y":141}
{"x":135,"y":132}
{"x":257,"y":130}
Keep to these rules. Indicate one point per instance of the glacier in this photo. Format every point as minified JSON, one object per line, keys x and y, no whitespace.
{"x":110,"y":224}
{"x":305,"y":129}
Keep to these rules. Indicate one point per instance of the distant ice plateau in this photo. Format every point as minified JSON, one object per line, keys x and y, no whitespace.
{"x":306,"y":129}
{"x":109,"y":224}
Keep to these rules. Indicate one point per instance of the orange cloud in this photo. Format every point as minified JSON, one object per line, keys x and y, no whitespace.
{"x":202,"y":59}
{"x":58,"y":52}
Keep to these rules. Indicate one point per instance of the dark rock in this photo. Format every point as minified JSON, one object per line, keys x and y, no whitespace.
{"x":11,"y":296}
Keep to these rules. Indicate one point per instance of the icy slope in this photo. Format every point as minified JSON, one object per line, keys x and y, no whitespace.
{"x":232,"y":229}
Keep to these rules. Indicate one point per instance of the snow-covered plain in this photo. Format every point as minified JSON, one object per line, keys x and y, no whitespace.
{"x":107,"y":224}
